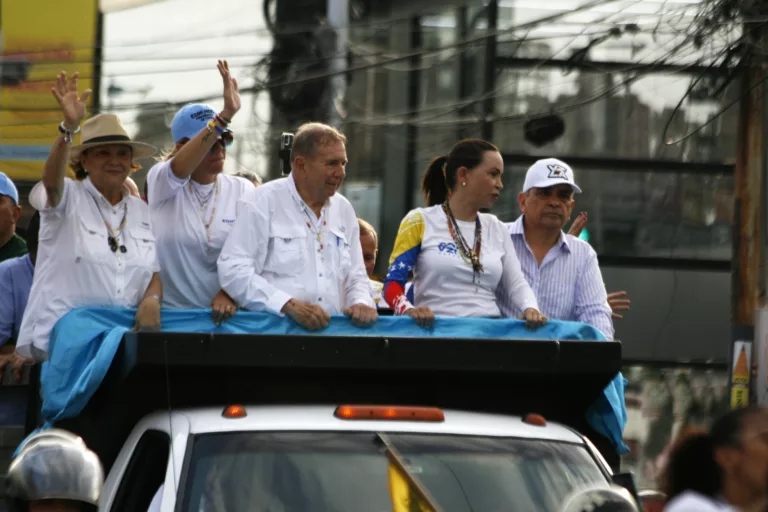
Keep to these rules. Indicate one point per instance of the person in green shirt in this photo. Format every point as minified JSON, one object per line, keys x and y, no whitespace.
{"x":11,"y":244}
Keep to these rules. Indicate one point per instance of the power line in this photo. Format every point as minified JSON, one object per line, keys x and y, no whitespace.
{"x":400,"y":58}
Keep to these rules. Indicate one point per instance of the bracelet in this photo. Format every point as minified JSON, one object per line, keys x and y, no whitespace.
{"x":63,"y":129}
{"x":219,"y":120}
{"x":224,"y":120}
{"x":212,"y":124}
{"x":156,"y":297}
{"x":66,"y":133}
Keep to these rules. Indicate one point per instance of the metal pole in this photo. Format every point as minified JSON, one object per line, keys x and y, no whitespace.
{"x":412,"y":131}
{"x":98,"y":54}
{"x":748,"y":265}
{"x":489,"y":105}
{"x":338,"y":21}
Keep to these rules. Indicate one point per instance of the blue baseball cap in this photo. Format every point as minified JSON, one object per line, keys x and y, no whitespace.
{"x":7,"y":188}
{"x":190,"y":120}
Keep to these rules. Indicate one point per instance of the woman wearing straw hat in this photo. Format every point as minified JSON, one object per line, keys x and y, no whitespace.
{"x":96,"y":246}
{"x":194,"y":204}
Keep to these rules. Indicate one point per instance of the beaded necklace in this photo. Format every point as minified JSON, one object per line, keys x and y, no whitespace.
{"x":202,"y":203}
{"x":469,"y":255}
{"x":318,"y":231}
{"x":113,"y":238}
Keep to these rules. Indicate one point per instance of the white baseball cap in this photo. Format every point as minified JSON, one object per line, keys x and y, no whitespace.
{"x":548,"y":173}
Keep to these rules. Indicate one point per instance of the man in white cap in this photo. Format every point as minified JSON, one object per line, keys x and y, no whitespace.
{"x":562,"y":270}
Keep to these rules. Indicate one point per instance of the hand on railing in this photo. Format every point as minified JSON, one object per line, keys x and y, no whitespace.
{"x":9,"y":359}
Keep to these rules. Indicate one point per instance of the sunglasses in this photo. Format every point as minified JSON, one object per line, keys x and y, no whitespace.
{"x":225,"y":140}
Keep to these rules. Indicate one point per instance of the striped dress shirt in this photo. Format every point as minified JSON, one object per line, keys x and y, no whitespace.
{"x":568,"y":285}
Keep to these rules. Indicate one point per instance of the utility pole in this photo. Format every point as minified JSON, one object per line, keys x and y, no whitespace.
{"x":748,"y":261}
{"x":338,"y":22}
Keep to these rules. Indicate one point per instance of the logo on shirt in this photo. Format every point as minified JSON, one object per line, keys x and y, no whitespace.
{"x":448,"y":248}
{"x":557,"y":171}
{"x":145,"y":225}
{"x":228,"y":221}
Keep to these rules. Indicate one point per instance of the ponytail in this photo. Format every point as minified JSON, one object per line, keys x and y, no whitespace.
{"x":434,"y":186}
{"x":441,"y":174}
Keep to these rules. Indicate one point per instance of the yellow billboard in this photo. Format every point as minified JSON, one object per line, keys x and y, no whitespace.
{"x":39,"y":38}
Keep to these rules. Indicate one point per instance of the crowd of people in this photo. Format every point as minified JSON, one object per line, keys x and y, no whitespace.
{"x":200,"y":238}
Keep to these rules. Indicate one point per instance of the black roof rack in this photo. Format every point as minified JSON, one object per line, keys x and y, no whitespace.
{"x":559,"y":379}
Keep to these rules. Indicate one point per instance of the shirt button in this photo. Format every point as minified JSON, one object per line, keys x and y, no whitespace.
{"x":320,"y":299}
{"x":320,"y":275}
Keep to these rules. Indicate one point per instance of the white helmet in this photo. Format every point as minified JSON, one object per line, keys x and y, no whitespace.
{"x":54,"y":465}
{"x":600,"y":499}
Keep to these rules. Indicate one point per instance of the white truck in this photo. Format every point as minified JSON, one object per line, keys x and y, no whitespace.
{"x":203,"y":422}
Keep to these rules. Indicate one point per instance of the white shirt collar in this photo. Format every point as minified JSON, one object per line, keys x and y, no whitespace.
{"x":297,"y":197}
{"x":518,"y":228}
{"x":98,"y":196}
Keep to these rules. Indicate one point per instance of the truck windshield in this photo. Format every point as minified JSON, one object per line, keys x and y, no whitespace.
{"x":349,"y":472}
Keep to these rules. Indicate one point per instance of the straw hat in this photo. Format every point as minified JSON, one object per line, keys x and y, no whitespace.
{"x":107,"y":129}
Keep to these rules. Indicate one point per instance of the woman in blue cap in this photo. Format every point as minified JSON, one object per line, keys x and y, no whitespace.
{"x":193,"y":204}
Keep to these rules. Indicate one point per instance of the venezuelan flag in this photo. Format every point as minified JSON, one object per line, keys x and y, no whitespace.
{"x":407,"y":248}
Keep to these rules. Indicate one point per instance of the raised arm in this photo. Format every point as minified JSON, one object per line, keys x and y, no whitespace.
{"x":192,"y":153}
{"x":73,"y":108}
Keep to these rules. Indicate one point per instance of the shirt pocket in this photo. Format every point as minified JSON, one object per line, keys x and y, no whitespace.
{"x":287,"y":248}
{"x":142,"y":248}
{"x":92,"y":243}
{"x":341,"y":256}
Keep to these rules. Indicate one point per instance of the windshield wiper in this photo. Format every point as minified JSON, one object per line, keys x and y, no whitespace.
{"x":405,"y":490}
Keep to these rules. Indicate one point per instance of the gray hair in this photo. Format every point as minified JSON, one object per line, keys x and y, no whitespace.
{"x":310,"y":135}
{"x":250,"y":176}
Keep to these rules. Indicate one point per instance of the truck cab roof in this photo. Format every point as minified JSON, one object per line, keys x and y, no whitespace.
{"x":185,"y":448}
{"x":204,"y":372}
{"x":209,"y":420}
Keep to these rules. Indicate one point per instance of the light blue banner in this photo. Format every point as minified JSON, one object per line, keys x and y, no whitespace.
{"x":85,"y":341}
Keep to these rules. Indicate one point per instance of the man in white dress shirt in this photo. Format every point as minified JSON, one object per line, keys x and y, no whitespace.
{"x":295,"y":247}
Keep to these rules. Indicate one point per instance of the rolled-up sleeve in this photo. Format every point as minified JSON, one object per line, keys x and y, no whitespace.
{"x":38,"y":198}
{"x":162,"y":184}
{"x":513,"y":281}
{"x":591,"y":304}
{"x":242,"y":260}
{"x":357,"y":286}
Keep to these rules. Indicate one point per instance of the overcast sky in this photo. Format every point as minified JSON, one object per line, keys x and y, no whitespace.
{"x":169,"y":48}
